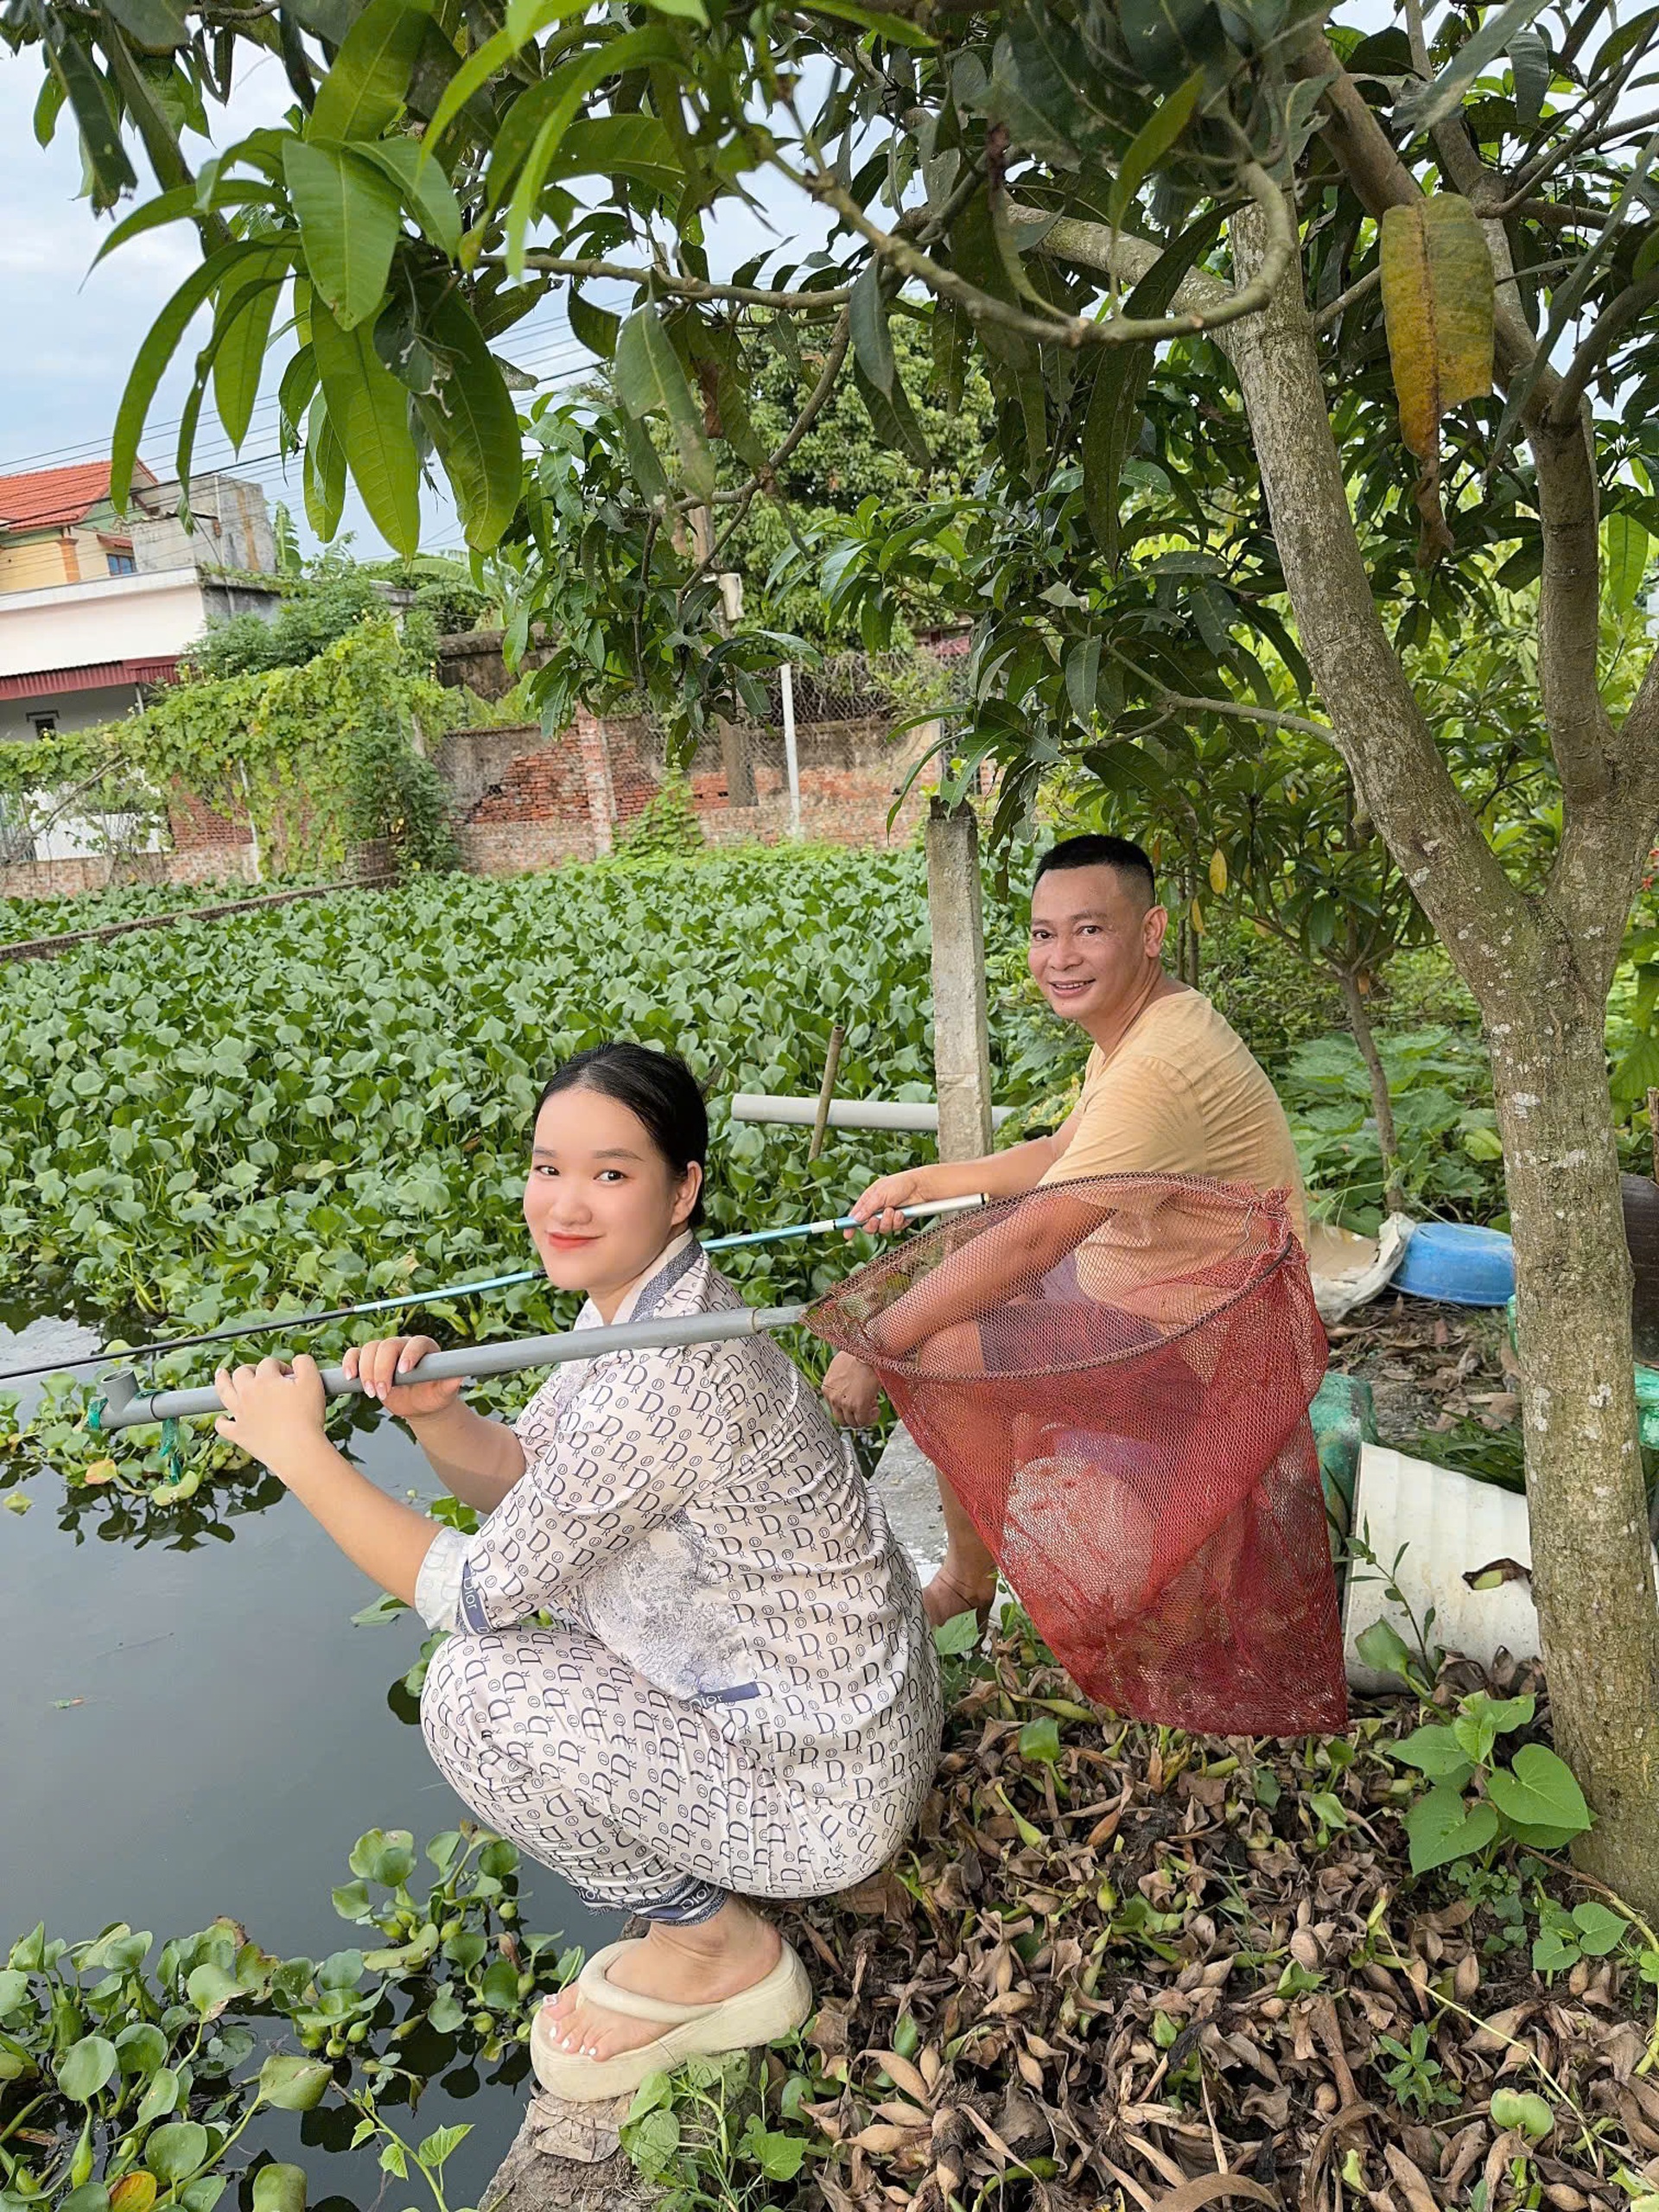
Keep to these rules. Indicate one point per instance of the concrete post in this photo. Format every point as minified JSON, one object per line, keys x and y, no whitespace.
{"x":961,"y":1057}
{"x":596,"y":779}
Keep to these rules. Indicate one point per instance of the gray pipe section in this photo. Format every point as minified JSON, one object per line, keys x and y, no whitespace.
{"x":918,"y":1118}
{"x":125,"y":1406}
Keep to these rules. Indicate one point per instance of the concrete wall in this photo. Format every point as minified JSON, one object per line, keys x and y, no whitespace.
{"x":28,"y":563}
{"x":110,"y":619}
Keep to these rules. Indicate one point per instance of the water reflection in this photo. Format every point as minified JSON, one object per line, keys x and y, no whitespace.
{"x":191,"y":1725}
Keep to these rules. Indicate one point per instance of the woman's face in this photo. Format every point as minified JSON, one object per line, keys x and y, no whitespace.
{"x":601,"y":1201}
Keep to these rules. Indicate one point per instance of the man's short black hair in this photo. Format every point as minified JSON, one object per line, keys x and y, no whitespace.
{"x":1095,"y":851}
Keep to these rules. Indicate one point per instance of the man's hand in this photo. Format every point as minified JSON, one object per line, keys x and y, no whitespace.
{"x":272,"y":1411}
{"x":879,"y":1208}
{"x":851,"y":1390}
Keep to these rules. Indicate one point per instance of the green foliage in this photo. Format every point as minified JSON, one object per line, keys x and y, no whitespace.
{"x":325,"y":602}
{"x":140,"y":2078}
{"x":317,"y":752}
{"x":711,"y":2136}
{"x":1472,"y":1803}
{"x":840,"y":462}
{"x":665,"y":826}
{"x":1449,"y":1156}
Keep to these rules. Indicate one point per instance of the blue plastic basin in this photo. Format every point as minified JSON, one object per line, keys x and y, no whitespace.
{"x":1458,"y":1265}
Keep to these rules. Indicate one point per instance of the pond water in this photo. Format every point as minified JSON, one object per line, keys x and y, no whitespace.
{"x":194,"y":1727}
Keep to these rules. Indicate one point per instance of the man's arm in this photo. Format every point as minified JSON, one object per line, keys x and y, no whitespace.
{"x":989,"y":1268}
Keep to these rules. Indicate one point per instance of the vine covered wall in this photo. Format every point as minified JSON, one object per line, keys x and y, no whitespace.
{"x":320,"y":757}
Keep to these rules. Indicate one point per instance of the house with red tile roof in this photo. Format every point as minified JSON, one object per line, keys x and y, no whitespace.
{"x":95,"y":606}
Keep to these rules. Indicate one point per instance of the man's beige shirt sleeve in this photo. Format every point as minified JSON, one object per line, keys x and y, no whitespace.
{"x":1136,"y":1116}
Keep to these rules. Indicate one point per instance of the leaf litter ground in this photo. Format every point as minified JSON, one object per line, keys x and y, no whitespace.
{"x":1117,"y":1961}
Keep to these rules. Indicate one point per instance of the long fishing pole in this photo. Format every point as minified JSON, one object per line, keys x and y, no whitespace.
{"x":122,"y":1391}
{"x":263,"y":1328}
{"x":125,"y":1406}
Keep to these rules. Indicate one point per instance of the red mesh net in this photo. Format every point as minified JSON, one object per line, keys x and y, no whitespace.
{"x":1114,"y":1375}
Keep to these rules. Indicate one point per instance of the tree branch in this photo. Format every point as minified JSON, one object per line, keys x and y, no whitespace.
{"x":1377,"y":724}
{"x":1055,"y":328}
{"x":1580,"y":734}
{"x":1600,"y":340}
{"x":684,"y":288}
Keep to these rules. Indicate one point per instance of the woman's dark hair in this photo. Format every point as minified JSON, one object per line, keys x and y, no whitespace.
{"x":657,"y":1089}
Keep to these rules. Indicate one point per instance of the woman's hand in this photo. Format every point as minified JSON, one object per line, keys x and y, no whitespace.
{"x":379,"y":1363}
{"x":852,"y":1391}
{"x":273,"y":1411}
{"x":879,"y":1208}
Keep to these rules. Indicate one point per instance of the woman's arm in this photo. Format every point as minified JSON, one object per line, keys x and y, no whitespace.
{"x":276,"y":1414}
{"x":477,"y":1459}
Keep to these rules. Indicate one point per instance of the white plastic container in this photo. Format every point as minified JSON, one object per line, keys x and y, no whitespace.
{"x":1451,"y":1526}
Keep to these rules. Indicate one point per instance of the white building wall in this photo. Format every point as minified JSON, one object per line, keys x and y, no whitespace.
{"x":110,"y":618}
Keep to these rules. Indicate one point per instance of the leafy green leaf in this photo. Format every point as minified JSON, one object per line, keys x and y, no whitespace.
{"x":649,"y":380}
{"x":957,"y":1636}
{"x":474,"y":425}
{"x":292,"y":2083}
{"x":157,"y":26}
{"x":1538,"y":1789}
{"x":279,"y":2188}
{"x":1385,"y":1651}
{"x":365,"y":88}
{"x":1151,"y":142}
{"x":1039,"y":1739}
{"x":368,"y":411}
{"x":174,"y":2152}
{"x":90,"y":98}
{"x":242,"y":311}
{"x":86,"y":2068}
{"x":872,"y":341}
{"x":1600,"y":1931}
{"x":426,"y":190}
{"x":892,"y":418}
{"x":442,"y":2142}
{"x":157,"y":350}
{"x":1435,"y":1750}
{"x":482,"y":63}
{"x":324,"y":475}
{"x":1420,"y":111}
{"x":351,"y":215}
{"x":1441,"y":1827}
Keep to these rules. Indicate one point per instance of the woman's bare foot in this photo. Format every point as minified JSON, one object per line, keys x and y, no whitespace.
{"x":686,"y":1966}
{"x":953,"y":1591}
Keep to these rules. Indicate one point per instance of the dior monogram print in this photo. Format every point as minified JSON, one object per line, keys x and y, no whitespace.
{"x":737,"y":1690}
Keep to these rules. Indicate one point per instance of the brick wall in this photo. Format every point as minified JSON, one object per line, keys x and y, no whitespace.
{"x":523,"y":801}
{"x":194,"y":826}
{"x":68,"y":879}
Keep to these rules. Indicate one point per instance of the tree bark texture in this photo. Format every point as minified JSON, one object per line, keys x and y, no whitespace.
{"x":1539,"y":980}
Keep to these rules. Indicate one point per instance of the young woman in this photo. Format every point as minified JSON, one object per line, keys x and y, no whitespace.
{"x":688,"y":1662}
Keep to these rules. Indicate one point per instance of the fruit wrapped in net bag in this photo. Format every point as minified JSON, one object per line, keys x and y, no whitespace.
{"x":1115,"y":1376}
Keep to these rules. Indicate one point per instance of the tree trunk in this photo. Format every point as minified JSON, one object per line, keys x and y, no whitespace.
{"x":1535,"y":979}
{"x":1359,"y":1022}
{"x":1593,"y":1571}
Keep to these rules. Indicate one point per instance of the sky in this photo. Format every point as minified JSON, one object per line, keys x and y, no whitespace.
{"x":75,"y":329}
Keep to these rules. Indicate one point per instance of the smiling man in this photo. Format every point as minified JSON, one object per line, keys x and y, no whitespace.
{"x":1170,"y":1088}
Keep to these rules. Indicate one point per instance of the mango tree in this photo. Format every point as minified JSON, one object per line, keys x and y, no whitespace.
{"x":1392,"y":298}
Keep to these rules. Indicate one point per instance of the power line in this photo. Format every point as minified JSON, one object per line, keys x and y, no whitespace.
{"x":66,"y":455}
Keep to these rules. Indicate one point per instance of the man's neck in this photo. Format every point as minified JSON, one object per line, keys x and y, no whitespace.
{"x":1109,"y":1029}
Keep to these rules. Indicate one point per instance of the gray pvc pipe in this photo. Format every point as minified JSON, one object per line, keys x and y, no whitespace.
{"x":125,"y":1406}
{"x":918,"y":1117}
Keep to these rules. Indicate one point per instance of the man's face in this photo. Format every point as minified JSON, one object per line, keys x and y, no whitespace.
{"x":1093,"y":941}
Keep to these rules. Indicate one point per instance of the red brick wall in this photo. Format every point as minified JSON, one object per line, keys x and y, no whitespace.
{"x":193,"y":824}
{"x":561,"y":798}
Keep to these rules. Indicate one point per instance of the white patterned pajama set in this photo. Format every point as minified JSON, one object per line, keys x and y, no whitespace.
{"x":687,"y":1658}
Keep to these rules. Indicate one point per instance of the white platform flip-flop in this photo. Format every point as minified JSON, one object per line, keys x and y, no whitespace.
{"x":773,"y":2007}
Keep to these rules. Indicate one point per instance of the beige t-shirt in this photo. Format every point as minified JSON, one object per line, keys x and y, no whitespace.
{"x":1182,"y":1095}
